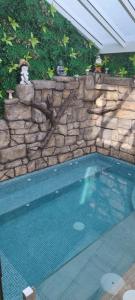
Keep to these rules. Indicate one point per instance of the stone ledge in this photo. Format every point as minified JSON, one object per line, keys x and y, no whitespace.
{"x":44,"y":84}
{"x":11,"y":101}
{"x":118,"y":81}
{"x":106,"y":87}
{"x":12,"y":153}
{"x":63,"y":78}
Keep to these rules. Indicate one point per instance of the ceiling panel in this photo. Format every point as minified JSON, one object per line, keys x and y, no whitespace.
{"x":108,"y":23}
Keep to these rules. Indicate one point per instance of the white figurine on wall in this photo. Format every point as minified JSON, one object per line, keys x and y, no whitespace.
{"x":24,"y":72}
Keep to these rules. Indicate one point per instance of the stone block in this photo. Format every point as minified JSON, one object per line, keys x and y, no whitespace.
{"x":12,"y":153}
{"x":117,"y":81}
{"x":3,"y":125}
{"x":115,"y":145}
{"x":99,"y":121}
{"x":30,"y":138}
{"x":57,"y":99}
{"x":103,"y":151}
{"x":87,"y":150}
{"x":126,"y":156}
{"x":45,"y":94}
{"x":78,"y":152}
{"x":90,"y":143}
{"x":115,"y":135}
{"x":124,"y":123}
{"x":52,"y":160}
{"x":109,"y":123}
{"x":31,"y":166}
{"x":17,"y":124}
{"x":111,"y":95}
{"x":59,"y":86}
{"x":80,"y":94}
{"x":106,"y":134}
{"x":99,"y":142}
{"x":63,"y":78}
{"x":124,"y":132}
{"x":4,"y":134}
{"x":34,"y":154}
{"x":129,"y":105}
{"x":41,"y":136}
{"x":131,"y":139}
{"x":100,"y":102}
{"x":82,"y":114}
{"x":91,"y":133}
{"x":38,"y":116}
{"x":40,"y":163}
{"x":44,"y":84}
{"x":66,"y":94}
{"x":72,"y":85}
{"x":63,"y":119}
{"x":13,"y":164}
{"x":61,"y":150}
{"x":93,"y":148}
{"x":62,"y":129}
{"x":89,"y":95}
{"x":70,"y":140}
{"x":18,"y":139}
{"x":48,"y":151}
{"x":20,"y":170}
{"x":81,"y":143}
{"x":51,"y":142}
{"x":64,"y":157}
{"x":127,"y":148}
{"x":59,"y":140}
{"x":125,"y":114}
{"x":87,"y":123}
{"x":25,"y":93}
{"x":73,"y":132}
{"x":114,"y":153}
{"x":89,"y":82}
{"x":107,"y":144}
{"x":44,"y":126}
{"x":17,"y":111}
{"x":37,"y":97}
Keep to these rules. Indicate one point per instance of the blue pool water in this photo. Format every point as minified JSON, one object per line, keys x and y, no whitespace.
{"x":48,"y":217}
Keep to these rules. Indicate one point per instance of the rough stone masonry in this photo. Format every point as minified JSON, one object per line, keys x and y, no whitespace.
{"x":101,"y":117}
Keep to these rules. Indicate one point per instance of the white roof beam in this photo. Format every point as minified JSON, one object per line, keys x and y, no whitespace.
{"x":104,"y":21}
{"x":129,"y":8}
{"x":115,"y":48}
{"x":83,"y":30}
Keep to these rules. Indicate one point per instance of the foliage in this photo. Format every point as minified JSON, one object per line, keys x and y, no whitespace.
{"x":122,"y":72}
{"x":33,"y":30}
{"x":132,"y":59}
{"x":121,"y":60}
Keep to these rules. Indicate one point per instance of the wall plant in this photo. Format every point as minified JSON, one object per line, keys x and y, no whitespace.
{"x":33,"y":30}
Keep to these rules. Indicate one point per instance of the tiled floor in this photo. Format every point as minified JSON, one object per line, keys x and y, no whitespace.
{"x":129,"y":278}
{"x":80,"y":278}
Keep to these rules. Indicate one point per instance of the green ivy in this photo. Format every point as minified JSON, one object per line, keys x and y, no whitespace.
{"x":34,"y":30}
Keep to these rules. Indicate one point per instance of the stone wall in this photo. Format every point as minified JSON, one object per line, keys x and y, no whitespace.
{"x":53,"y":121}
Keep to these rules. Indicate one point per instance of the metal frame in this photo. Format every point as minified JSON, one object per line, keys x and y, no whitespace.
{"x":129,"y":8}
{"x":120,"y":42}
{"x":105,"y":22}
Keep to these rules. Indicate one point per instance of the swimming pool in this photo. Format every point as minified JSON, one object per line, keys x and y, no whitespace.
{"x":50,"y":216}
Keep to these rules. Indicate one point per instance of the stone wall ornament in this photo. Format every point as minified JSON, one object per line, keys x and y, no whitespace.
{"x":24,"y":72}
{"x":61,"y":69}
{"x":10,"y":94}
